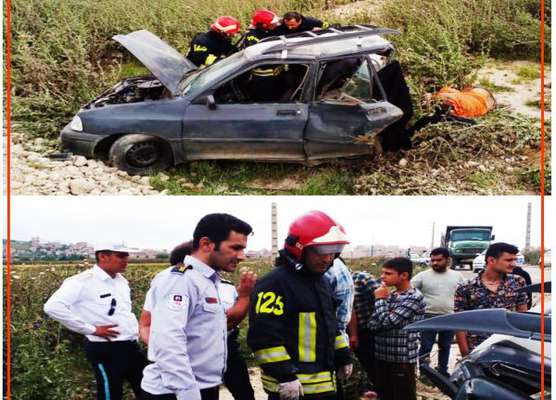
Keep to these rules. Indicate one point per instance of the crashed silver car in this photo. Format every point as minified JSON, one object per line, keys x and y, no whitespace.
{"x":183,"y":113}
{"x":509,"y":364}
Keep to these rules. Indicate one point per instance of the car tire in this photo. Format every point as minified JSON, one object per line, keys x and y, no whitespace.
{"x":139,"y":154}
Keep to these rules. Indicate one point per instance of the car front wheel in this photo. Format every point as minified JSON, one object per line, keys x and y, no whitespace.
{"x":140,"y":154}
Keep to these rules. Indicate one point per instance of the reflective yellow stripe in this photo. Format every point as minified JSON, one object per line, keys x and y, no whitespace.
{"x":211,"y":58}
{"x":315,"y":378}
{"x":319,"y":382}
{"x":307,"y":339}
{"x":198,"y":47}
{"x":340,"y":342}
{"x":269,"y":383}
{"x":268,"y":71}
{"x":319,"y":388}
{"x":272,"y":354}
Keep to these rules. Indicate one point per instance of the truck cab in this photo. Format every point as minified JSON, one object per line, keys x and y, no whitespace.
{"x":466,"y":242}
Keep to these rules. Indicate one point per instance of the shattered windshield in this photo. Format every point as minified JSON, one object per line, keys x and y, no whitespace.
{"x":470,"y":235}
{"x":211,"y":74}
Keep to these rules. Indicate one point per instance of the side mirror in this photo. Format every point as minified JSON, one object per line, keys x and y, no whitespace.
{"x":492,"y":237}
{"x":211,"y":104}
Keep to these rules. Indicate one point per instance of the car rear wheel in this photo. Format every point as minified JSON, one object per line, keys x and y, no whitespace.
{"x":140,"y":154}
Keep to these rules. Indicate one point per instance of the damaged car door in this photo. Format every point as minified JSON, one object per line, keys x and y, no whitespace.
{"x":346,"y":114}
{"x":229,"y":121}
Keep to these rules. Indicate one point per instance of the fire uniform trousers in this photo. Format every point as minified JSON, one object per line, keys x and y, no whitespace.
{"x":292,"y":331}
{"x":206,"y":48}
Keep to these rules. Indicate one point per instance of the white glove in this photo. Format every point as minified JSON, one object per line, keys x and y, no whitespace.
{"x":345,"y":371}
{"x":290,"y":390}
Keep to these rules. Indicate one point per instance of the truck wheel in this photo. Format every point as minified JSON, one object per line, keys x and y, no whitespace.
{"x":140,"y":154}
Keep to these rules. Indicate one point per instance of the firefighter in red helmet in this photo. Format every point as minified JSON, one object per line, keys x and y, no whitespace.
{"x":292,"y":317}
{"x":206,"y":48}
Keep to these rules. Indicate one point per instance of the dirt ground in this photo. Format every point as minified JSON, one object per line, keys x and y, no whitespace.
{"x":519,"y":92}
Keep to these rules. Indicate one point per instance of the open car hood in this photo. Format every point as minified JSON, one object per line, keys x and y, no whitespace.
{"x":162,"y":60}
{"x":497,"y":320}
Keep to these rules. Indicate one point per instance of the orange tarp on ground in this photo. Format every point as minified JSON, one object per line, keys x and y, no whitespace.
{"x":468,"y":103}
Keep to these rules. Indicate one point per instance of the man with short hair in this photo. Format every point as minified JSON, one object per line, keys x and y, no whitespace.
{"x":187,"y":342}
{"x":292,"y":317}
{"x":438,"y":285}
{"x":494,"y":287}
{"x":97,"y":304}
{"x":396,"y":351}
{"x":236,"y":306}
{"x":294,"y":22}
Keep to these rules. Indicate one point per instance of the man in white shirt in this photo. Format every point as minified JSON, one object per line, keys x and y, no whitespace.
{"x":188,"y":332}
{"x":97,"y":304}
{"x":438,"y":286}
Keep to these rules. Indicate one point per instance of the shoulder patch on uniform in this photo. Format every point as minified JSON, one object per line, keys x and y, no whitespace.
{"x":177,"y":302}
{"x":181,"y":268}
{"x":227,"y":282}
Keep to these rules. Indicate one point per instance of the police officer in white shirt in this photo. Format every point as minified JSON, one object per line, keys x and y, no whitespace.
{"x":236,"y":306}
{"x":97,"y":304}
{"x":187,"y":341}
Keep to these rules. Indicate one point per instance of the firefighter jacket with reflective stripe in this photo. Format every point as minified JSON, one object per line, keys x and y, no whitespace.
{"x":206,"y":48}
{"x":292,"y":330}
{"x":254,"y":36}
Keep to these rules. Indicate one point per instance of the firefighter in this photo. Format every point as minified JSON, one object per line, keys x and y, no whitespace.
{"x":292,"y":316}
{"x":263,"y":23}
{"x":206,"y":48}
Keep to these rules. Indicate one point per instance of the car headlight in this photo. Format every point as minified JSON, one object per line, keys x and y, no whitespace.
{"x":76,"y":124}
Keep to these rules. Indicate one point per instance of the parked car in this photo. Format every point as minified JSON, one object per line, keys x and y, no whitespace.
{"x":479,"y":261}
{"x":184,"y":113}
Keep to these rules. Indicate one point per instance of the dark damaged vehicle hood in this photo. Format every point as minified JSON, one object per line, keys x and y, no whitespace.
{"x":165,"y":62}
{"x":501,"y":321}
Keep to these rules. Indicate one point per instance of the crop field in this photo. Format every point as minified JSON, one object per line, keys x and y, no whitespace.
{"x":48,"y":360}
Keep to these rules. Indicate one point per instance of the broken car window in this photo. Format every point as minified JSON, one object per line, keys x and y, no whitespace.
{"x":267,"y":83}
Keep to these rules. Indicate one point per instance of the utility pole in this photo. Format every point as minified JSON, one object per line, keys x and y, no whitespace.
{"x":432,"y":240}
{"x":528,"y":230}
{"x":274,"y":232}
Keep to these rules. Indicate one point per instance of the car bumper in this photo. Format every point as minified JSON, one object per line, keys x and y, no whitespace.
{"x":82,"y":143}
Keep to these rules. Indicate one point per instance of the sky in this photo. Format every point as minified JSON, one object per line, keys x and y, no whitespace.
{"x":161,"y":222}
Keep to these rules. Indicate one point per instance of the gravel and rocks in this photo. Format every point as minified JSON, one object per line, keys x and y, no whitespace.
{"x":34,"y":173}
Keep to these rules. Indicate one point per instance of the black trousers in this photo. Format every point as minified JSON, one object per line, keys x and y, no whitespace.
{"x":236,"y":377}
{"x":365,"y":353}
{"x":114,"y":362}
{"x":206,"y":394}
{"x":395,"y":381}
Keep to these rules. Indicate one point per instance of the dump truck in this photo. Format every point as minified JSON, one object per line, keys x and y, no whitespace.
{"x":466,"y":242}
